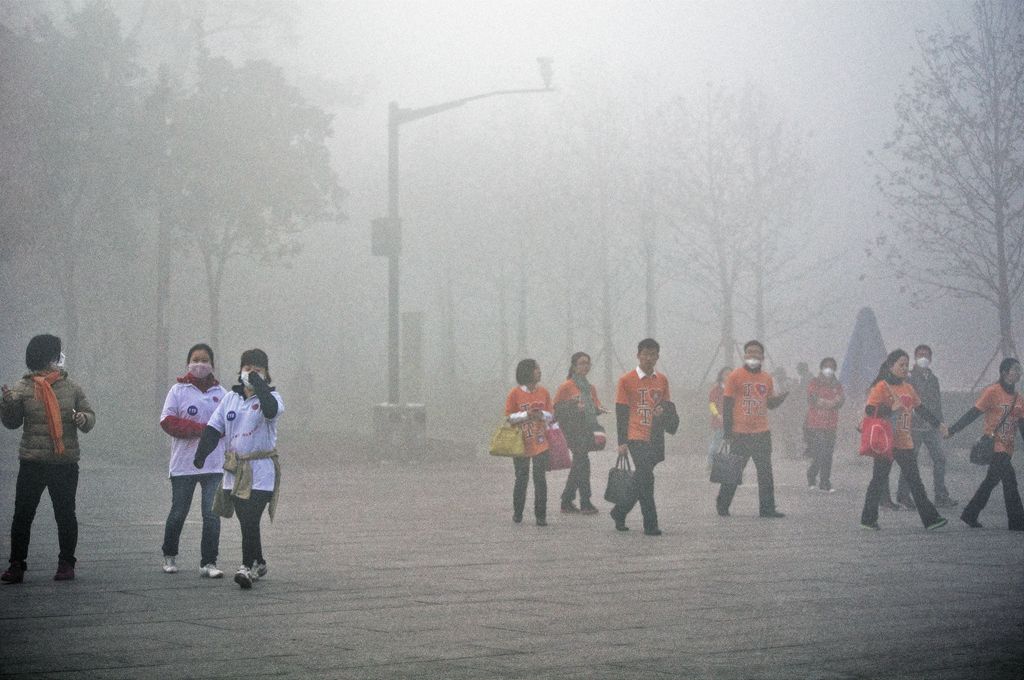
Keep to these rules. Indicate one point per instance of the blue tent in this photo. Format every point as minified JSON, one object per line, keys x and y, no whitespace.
{"x":864,"y":355}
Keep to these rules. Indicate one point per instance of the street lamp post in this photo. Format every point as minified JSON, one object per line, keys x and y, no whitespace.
{"x":387,"y":232}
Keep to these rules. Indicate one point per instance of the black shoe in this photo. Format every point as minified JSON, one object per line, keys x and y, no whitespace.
{"x":908,"y":503}
{"x":888,"y":505}
{"x":517,"y":518}
{"x":972,"y":523}
{"x":773,"y":514}
{"x":652,"y":532}
{"x":541,"y":522}
{"x":870,"y":525}
{"x":620,"y":524}
{"x":945,"y":502}
{"x":570,"y":509}
{"x":588,"y":509}
{"x":723,"y":512}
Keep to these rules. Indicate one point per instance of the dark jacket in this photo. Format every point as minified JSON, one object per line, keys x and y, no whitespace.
{"x":573,"y":422}
{"x":926,"y":385}
{"x":667,"y":422}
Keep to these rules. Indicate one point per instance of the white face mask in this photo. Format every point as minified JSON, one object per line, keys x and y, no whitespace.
{"x":923,"y":362}
{"x":752,"y":364}
{"x":244,"y":377}
{"x":200,"y":370}
{"x":60,"y":361}
{"x":828,"y":372}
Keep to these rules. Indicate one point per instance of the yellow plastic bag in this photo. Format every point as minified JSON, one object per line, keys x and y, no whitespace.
{"x":507,"y":441}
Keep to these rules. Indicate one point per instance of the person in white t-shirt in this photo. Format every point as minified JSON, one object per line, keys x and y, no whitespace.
{"x":247,"y":421}
{"x":189,"y":404}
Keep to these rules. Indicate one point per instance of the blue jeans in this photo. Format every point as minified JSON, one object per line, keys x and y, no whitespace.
{"x":933,"y":440}
{"x":182,"y":488}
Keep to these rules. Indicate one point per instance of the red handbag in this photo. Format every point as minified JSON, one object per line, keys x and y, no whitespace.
{"x":559,"y":456}
{"x":876,"y":437}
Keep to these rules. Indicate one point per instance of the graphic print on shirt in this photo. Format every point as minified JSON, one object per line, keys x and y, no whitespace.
{"x":647,"y":400}
{"x":534,"y":430}
{"x":755,"y":400}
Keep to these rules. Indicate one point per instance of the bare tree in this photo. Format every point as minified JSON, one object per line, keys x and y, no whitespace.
{"x":954,"y":170}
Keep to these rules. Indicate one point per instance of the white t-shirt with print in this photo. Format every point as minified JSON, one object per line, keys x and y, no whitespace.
{"x":246,"y":431}
{"x":185,"y":400}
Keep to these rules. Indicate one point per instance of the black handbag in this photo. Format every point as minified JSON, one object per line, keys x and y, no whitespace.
{"x":726,"y":468}
{"x":984,"y":450}
{"x":621,"y":489}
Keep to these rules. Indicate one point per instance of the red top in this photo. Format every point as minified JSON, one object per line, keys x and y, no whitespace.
{"x":824,"y":397}
{"x":750,"y":392}
{"x":641,"y":395}
{"x":884,"y":394}
{"x":994,"y":402}
{"x":535,"y":439}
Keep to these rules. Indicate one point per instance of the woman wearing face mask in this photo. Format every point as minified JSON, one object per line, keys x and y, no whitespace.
{"x":51,"y":408}
{"x":1000,"y":403}
{"x":187,"y":408}
{"x":576,"y":409}
{"x":824,"y":399}
{"x":716,"y":404}
{"x":891,"y":396}
{"x":247,"y":420}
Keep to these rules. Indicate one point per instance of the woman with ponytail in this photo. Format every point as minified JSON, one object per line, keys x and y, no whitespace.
{"x":51,"y":409}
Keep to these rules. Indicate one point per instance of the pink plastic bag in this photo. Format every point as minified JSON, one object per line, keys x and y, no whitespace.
{"x":559,"y":456}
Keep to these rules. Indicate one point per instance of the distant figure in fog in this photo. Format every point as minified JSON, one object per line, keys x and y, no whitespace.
{"x":824,"y":399}
{"x":893,"y":397}
{"x":926,"y":384}
{"x":716,"y":405}
{"x":528,"y":406}
{"x":247,"y":420}
{"x":1003,"y":408}
{"x":189,"y":404}
{"x":51,"y":409}
{"x":576,"y":410}
{"x":644,"y":412}
{"x":749,"y":394}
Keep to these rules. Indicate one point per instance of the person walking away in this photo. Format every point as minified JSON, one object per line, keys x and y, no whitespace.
{"x":1003,"y":408}
{"x":749,"y":394}
{"x":247,"y":419}
{"x":643,"y":413}
{"x":892,"y":396}
{"x":51,"y":409}
{"x":189,"y":404}
{"x":576,"y":409}
{"x":824,"y":399}
{"x":528,"y":406}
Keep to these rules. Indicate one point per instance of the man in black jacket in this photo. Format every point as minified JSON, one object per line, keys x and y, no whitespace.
{"x":926,"y":384}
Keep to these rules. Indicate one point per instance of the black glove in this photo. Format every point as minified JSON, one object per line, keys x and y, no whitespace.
{"x":257,"y":382}
{"x":199,"y":461}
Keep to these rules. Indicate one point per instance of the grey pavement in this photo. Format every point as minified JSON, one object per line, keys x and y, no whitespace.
{"x":415,"y":570}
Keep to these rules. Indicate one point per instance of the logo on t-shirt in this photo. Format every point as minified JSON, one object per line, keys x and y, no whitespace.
{"x":231,"y":415}
{"x":256,"y":406}
{"x":216,"y":399}
{"x":762,"y":389}
{"x":192,"y":410}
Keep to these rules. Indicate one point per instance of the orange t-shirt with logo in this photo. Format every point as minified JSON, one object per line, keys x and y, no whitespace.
{"x":995,"y":402}
{"x":884,"y":394}
{"x":641,"y":395}
{"x":535,"y":440}
{"x":570,"y":391}
{"x":750,"y":393}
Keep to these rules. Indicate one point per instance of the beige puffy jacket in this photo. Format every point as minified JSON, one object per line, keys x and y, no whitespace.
{"x":20,"y":407}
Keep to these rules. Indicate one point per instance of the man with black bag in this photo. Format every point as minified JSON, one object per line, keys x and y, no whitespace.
{"x":643,"y":414}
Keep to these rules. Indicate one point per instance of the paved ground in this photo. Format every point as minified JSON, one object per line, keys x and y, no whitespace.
{"x":416,"y":571}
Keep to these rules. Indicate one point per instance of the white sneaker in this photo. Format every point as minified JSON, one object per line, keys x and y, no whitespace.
{"x":169,"y":566}
{"x":243,"y":577}
{"x":261,"y":569}
{"x":210,"y":571}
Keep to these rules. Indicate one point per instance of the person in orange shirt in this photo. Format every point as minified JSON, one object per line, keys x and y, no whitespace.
{"x":528,"y":406}
{"x":1000,"y":403}
{"x":643,"y":413}
{"x":576,"y":409}
{"x":749,"y":393}
{"x":892,"y":396}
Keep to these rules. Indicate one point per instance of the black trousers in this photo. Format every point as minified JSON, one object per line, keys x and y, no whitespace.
{"x":540,"y":485}
{"x":644,"y":460}
{"x":61,"y":480}
{"x":999,"y":470}
{"x":579,"y":479}
{"x":757,"y":446}
{"x":250,"y":512}
{"x":907,"y":460}
{"x":821,"y":445}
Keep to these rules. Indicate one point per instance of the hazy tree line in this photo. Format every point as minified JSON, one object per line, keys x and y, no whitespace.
{"x":153,"y":184}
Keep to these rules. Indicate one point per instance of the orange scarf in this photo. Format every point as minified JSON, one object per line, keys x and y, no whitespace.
{"x":44,"y":393}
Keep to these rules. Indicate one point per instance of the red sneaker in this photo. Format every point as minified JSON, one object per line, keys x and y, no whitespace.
{"x":15,"y":573}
